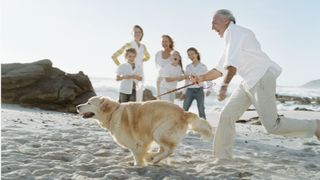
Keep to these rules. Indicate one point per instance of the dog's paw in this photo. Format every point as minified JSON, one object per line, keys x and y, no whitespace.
{"x":149,"y":157}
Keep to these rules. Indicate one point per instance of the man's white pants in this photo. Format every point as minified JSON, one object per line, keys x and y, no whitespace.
{"x":262,"y":96}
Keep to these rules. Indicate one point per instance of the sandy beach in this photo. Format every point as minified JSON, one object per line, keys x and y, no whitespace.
{"x":38,"y":144}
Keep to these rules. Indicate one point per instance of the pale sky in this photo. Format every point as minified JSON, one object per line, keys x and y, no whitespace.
{"x":83,"y":34}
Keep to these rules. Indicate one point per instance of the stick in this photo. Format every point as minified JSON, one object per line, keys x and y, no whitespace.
{"x":176,"y":89}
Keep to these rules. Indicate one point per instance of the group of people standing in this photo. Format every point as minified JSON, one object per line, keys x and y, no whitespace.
{"x":170,"y":71}
{"x":242,"y":55}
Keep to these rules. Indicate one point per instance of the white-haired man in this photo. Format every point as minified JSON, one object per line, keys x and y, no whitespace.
{"x":243,"y":55}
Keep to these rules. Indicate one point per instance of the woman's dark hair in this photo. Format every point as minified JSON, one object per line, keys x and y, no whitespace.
{"x":180,"y":62}
{"x":139,"y":27}
{"x":196,"y":51}
{"x":170,"y":39}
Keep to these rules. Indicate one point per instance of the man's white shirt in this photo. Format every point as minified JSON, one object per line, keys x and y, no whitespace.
{"x":243,"y":51}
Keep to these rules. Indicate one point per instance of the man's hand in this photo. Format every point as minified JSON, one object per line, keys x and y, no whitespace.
{"x":223,"y":92}
{"x":196,"y":79}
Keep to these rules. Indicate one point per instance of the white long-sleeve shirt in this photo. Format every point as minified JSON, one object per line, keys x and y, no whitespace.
{"x":243,"y":51}
{"x":197,"y":70}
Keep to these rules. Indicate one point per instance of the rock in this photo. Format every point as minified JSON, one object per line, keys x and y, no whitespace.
{"x":148,"y":96}
{"x":38,"y":84}
{"x":252,"y":121}
{"x":302,"y":109}
{"x":298,"y":100}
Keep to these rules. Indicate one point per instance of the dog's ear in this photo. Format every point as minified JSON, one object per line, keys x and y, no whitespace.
{"x":104,"y":106}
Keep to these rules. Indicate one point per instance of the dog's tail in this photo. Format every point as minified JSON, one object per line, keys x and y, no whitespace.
{"x":199,"y":125}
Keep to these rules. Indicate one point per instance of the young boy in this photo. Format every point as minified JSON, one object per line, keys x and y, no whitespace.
{"x":129,"y":74}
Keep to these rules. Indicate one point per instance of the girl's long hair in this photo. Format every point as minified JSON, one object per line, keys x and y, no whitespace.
{"x":180,"y":61}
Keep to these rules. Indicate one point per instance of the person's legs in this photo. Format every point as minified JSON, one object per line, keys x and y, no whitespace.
{"x":238,"y":103}
{"x":188,"y":99}
{"x":159,"y":79}
{"x":124,"y":97}
{"x":165,"y":97}
{"x":263,"y":98}
{"x":172,"y":96}
{"x":200,"y":103}
{"x":139,"y":91}
{"x":132,"y":96}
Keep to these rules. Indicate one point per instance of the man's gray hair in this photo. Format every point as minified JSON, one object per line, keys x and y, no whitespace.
{"x":227,"y":13}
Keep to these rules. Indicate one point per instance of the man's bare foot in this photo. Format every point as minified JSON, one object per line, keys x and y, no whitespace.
{"x":317,"y":133}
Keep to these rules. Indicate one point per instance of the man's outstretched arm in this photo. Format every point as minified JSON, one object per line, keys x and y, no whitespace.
{"x":210,"y":75}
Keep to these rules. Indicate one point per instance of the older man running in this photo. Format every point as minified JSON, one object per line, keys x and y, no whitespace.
{"x":243,"y":55}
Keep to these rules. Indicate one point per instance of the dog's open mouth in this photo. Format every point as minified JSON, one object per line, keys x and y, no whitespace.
{"x":88,"y":115}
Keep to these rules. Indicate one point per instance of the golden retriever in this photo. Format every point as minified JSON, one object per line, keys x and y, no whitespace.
{"x":135,"y":125}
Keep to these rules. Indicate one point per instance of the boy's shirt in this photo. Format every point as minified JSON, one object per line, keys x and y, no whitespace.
{"x":126,"y":85}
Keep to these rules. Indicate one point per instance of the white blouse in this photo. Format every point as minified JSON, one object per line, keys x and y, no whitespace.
{"x":161,"y":62}
{"x":140,"y":53}
{"x":170,"y":70}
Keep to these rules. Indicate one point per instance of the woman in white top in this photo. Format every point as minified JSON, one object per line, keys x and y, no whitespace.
{"x":196,"y":92}
{"x":172,"y":73}
{"x":142,"y":55}
{"x":163,"y":57}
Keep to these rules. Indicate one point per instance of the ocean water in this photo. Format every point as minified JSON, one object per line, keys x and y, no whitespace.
{"x":109,"y":87}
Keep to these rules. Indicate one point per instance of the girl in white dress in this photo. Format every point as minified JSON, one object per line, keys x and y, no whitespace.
{"x":142,"y":56}
{"x":172,"y":73}
{"x":163,"y":57}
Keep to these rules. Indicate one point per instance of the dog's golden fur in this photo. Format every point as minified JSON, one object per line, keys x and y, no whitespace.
{"x":136,"y":125}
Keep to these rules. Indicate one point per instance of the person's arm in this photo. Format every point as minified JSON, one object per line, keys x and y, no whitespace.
{"x":116,"y":55}
{"x":172,"y":79}
{"x":209,"y":76}
{"x":122,"y":77}
{"x":232,"y":60}
{"x":137,"y":77}
{"x":231,"y":71}
{"x":146,"y":54}
{"x":137,"y":74}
